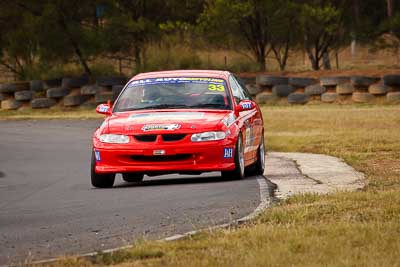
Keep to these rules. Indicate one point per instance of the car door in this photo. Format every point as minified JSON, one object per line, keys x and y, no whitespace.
{"x":248,"y":122}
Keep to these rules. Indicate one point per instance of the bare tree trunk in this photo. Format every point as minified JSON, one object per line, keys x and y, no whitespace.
{"x":389,"y":8}
{"x":314,"y":61}
{"x":326,"y":60}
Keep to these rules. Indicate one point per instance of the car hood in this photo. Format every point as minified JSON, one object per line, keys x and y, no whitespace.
{"x":165,"y":121}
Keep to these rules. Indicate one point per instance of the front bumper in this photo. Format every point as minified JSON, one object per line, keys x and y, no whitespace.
{"x":172,"y":157}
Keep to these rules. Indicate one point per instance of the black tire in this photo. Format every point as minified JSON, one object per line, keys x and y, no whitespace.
{"x":43,"y":103}
{"x":329,"y":97}
{"x":378,"y":89}
{"x":259,"y":166}
{"x":74,"y":82}
{"x":4,"y":96}
{"x":100,"y":180}
{"x":116,"y":89}
{"x":362,"y":97}
{"x":269,"y":80}
{"x":111,"y":80}
{"x":57,"y":92}
{"x":92,"y":89}
{"x":56,"y":82}
{"x":247,"y":80}
{"x":363,"y":81}
{"x":299,"y":82}
{"x":23,"y":95}
{"x":265,"y":97}
{"x":238,"y":172}
{"x":393,"y":97}
{"x":73,"y":100}
{"x":345,"y":89}
{"x":282,"y":90}
{"x":391,"y":80}
{"x":253,"y":89}
{"x":36,"y":86}
{"x":10,"y":104}
{"x":333,"y":81}
{"x":315,"y":89}
{"x":8,"y":88}
{"x":132,"y":177}
{"x":298,"y":98}
{"x":104,"y":97}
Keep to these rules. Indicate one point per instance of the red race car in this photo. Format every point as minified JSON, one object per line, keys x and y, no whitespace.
{"x":185,"y":122}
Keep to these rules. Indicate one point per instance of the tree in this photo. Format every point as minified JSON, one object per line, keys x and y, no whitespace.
{"x":239,"y":23}
{"x":284,"y":31}
{"x":322,"y":29}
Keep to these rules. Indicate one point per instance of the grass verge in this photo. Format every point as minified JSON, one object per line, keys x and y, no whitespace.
{"x":46,"y":114}
{"x":344,"y":229}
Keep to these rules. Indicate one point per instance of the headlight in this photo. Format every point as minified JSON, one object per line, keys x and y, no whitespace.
{"x":208,"y":136}
{"x":114,"y":138}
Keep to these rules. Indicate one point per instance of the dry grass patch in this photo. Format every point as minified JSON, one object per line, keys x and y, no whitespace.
{"x":343,"y":229}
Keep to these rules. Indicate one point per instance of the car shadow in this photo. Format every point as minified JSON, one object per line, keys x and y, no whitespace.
{"x":181,"y":181}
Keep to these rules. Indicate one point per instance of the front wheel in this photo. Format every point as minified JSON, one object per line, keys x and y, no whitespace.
{"x":238,"y":172}
{"x":100,"y":180}
{"x":259,"y":166}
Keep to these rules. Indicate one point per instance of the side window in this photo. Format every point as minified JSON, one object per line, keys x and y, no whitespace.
{"x":244,"y":89}
{"x":236,"y":90}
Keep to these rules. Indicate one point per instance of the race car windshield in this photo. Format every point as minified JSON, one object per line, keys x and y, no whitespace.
{"x":174,"y":93}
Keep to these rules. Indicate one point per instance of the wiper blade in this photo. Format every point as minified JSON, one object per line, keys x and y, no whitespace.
{"x":161,"y":106}
{"x":208,"y":105}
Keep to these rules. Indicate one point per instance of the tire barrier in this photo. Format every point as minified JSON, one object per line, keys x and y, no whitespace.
{"x":23,"y":95}
{"x":315,"y":89}
{"x":265,"y":98}
{"x":43,"y":103}
{"x":282,"y":90}
{"x":345,"y":89}
{"x":329,"y":97}
{"x":266,"y":89}
{"x":269,"y":80}
{"x":393,"y":97}
{"x":298,"y":98}
{"x":57,"y":92}
{"x":378,"y":89}
{"x":74,"y":82}
{"x":36,"y":86}
{"x":297,"y":82}
{"x":10,"y":104}
{"x":111,"y":80}
{"x":362,"y":97}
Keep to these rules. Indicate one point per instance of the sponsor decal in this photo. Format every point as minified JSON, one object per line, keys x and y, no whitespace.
{"x":104,"y":109}
{"x":97,"y":155}
{"x":166,"y":116}
{"x":246,"y":105}
{"x":228,"y":153}
{"x":157,"y":127}
{"x":215,"y":81}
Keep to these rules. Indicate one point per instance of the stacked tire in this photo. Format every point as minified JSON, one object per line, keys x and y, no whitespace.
{"x":393,"y":85}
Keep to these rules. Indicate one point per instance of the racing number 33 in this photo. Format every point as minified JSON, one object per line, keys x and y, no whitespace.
{"x":216,"y":87}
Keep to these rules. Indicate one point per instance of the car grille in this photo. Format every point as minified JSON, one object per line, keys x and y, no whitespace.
{"x":165,"y":137}
{"x":164,"y":158}
{"x":173,"y":137}
{"x":146,"y":137}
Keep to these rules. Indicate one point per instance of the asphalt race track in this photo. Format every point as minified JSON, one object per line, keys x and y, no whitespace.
{"x":48,"y":207}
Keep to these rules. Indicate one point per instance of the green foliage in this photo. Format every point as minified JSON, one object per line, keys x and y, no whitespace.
{"x":38,"y":35}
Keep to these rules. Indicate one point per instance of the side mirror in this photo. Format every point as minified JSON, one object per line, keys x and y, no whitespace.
{"x":104,"y":109}
{"x":245,"y":105}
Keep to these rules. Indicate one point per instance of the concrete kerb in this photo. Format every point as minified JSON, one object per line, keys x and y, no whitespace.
{"x":286,"y":174}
